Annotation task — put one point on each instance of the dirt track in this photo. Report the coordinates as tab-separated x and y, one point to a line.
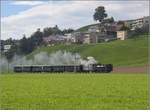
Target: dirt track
137	69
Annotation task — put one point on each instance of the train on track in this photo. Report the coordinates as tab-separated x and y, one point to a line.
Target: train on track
100	68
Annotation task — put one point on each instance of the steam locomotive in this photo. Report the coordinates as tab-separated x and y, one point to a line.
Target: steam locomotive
101	68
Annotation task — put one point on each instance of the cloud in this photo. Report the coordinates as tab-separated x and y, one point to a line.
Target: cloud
73	14
32	3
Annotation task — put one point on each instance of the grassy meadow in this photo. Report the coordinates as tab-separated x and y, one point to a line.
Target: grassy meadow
74	91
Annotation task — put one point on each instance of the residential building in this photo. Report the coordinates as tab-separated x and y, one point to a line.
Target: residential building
85	37
111	30
94	37
87	40
69	38
1	45
122	35
146	20
137	23
6	48
78	37
54	39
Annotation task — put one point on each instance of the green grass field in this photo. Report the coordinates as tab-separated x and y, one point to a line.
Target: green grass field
131	52
74	91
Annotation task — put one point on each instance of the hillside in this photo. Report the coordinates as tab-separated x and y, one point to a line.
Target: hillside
85	28
131	52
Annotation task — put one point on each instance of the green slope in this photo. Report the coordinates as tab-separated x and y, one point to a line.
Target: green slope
131	52
85	28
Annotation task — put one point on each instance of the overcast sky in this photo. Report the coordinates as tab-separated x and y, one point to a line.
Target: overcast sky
24	17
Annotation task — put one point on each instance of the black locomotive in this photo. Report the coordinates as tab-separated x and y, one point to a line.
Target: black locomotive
102	68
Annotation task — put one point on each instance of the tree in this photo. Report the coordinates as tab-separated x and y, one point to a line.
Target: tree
51	31
47	32
143	30
24	46
111	20
122	23
100	14
56	30
65	31
37	37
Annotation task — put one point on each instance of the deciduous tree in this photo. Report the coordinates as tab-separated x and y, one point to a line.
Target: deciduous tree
100	14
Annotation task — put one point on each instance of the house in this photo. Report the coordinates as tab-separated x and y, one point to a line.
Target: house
89	38
107	32
54	39
101	33
69	38
1	46
78	37
6	48
137	24
85	37
111	30
86	40
122	35
146	20
94	37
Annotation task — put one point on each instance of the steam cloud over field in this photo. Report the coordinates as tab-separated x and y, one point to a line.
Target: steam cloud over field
43	58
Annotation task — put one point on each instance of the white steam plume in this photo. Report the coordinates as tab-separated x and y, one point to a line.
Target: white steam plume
43	58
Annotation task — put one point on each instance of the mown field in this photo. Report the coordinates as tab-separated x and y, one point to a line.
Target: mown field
131	52
74	91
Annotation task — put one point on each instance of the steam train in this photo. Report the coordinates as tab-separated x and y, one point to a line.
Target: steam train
100	68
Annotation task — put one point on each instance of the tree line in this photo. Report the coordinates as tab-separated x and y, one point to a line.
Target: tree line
26	45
